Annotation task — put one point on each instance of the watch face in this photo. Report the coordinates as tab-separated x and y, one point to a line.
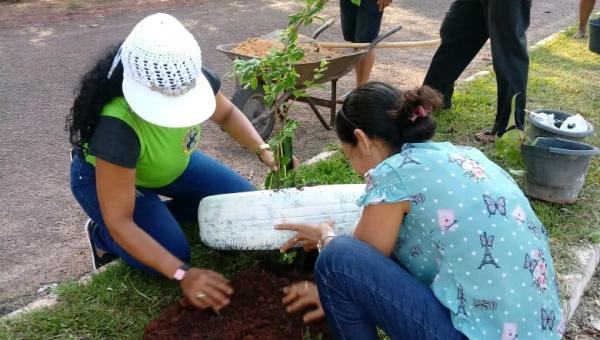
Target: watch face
179	274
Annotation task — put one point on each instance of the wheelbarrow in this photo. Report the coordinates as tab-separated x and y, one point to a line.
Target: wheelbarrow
251	101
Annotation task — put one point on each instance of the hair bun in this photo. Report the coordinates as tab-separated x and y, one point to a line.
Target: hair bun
414	102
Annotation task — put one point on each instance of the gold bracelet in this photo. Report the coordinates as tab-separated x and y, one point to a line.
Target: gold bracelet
321	243
261	148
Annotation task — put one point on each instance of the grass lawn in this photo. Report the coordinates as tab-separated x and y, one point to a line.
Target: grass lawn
119	302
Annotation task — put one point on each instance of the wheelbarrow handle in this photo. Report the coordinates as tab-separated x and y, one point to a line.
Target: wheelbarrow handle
383	36
322	28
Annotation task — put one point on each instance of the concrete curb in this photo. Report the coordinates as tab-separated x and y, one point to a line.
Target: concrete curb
52	299
576	283
320	157
44	302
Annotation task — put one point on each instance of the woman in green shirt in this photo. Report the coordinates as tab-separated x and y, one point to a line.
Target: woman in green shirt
135	126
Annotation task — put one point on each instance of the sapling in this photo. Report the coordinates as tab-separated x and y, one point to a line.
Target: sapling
277	75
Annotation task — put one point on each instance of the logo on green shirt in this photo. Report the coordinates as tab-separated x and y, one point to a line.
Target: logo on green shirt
190	140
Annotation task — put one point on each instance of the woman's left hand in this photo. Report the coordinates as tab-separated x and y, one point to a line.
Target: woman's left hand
303	295
307	235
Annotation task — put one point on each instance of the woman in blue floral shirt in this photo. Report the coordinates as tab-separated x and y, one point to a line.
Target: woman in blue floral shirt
447	246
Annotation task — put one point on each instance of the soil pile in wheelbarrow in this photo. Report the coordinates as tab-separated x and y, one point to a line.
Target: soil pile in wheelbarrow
258	48
255	312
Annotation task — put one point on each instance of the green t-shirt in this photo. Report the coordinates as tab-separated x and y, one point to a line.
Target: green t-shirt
158	154
356	2
164	153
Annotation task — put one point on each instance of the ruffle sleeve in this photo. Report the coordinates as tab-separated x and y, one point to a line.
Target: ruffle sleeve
383	185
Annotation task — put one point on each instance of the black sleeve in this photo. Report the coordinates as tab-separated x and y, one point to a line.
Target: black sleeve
116	142
213	79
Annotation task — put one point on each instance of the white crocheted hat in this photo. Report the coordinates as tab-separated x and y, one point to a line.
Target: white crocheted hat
162	74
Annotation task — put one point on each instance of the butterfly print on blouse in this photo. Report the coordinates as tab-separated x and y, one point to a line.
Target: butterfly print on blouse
416	250
548	319
495	206
537	230
417	198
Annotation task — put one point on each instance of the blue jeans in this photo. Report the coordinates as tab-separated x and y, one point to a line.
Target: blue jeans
360	288
203	177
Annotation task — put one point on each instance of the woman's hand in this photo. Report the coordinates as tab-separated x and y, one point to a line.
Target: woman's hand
307	235
206	288
266	156
303	295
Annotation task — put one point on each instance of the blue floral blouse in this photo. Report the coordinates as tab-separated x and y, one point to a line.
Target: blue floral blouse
473	238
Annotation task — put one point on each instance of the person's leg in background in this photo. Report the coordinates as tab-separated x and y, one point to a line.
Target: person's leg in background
368	24
361	24
463	33
364	67
360	289
204	176
150	214
585	11
508	22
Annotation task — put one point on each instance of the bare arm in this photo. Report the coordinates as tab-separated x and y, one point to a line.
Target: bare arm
379	225
116	194
235	123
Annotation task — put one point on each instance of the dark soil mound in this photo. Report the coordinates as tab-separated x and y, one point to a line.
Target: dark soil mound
255	312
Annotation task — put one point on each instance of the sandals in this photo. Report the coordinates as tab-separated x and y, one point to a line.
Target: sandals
485	137
489	136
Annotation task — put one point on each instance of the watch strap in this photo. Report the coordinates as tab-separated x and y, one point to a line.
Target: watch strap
180	272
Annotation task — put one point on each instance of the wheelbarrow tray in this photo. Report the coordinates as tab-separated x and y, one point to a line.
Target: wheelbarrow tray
337	67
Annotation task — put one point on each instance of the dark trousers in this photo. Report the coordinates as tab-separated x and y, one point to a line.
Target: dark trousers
204	176
465	29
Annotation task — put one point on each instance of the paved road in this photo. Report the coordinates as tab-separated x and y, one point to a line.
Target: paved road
41	232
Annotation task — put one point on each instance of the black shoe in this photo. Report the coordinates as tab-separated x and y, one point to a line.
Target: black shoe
97	261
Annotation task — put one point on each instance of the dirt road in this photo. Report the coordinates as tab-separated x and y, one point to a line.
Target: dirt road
43	51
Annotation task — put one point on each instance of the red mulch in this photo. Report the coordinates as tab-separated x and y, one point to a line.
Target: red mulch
255	312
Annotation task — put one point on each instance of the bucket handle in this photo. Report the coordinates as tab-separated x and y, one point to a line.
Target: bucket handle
560	151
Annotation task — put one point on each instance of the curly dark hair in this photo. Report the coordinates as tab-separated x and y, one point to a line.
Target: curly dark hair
95	90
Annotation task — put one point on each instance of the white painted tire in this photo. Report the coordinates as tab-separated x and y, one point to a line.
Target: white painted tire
245	220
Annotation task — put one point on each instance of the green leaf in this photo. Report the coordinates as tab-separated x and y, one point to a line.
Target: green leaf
299	93
508	147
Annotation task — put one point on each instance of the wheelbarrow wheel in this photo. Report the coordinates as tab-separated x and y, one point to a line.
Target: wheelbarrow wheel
252	104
